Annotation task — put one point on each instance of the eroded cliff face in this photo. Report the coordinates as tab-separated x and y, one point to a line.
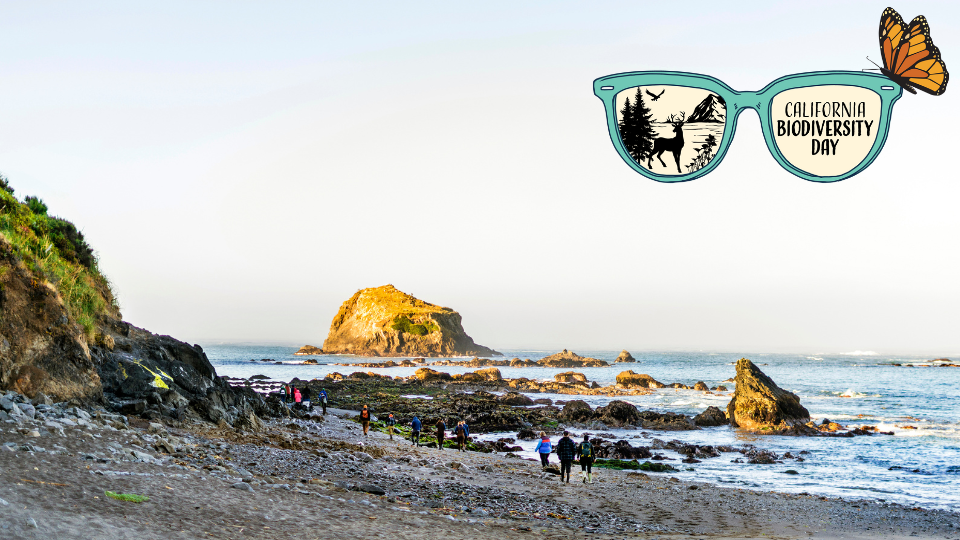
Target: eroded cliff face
41	348
383	321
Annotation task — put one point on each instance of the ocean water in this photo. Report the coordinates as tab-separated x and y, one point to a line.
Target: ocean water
919	465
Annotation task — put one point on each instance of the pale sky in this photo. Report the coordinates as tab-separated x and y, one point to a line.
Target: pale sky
243	168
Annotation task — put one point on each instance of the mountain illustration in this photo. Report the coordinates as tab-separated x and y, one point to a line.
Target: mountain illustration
711	109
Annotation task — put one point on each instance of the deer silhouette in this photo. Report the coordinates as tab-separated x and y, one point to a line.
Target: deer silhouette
674	144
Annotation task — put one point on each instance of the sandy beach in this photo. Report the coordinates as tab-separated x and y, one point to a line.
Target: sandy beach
321	478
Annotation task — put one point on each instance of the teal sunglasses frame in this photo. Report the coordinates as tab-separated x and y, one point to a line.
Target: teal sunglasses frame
607	88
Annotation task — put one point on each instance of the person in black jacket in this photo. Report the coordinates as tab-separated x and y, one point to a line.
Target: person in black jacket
565	451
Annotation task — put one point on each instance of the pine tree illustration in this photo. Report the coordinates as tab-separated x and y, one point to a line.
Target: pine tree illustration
626	127
642	131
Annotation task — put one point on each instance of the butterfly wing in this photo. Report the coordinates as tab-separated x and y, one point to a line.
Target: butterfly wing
891	35
909	56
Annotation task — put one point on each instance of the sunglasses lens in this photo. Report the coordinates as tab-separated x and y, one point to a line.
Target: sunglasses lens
671	130
826	130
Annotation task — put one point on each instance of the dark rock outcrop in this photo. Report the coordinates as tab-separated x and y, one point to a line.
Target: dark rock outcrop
759	404
383	321
713	416
576	411
515	399
666	421
618	413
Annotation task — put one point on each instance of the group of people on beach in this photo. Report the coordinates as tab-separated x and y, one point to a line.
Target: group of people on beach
300	398
567	452
461	432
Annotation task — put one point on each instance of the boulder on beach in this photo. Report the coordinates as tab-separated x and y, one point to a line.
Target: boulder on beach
308	350
758	403
629	379
576	411
383	321
625	357
570	376
702	386
713	416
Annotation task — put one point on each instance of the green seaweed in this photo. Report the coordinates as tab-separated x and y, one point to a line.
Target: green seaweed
129	497
618	464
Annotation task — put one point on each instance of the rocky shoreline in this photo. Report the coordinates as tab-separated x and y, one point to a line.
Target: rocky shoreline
317	476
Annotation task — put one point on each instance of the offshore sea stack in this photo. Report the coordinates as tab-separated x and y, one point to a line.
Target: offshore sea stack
759	404
383	321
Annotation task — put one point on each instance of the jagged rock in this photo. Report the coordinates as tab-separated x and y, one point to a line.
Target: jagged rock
515	399
713	416
570	376
701	386
623	450
618	413
568	359
576	411
384	321
629	379
625	357
309	350
759	403
143	363
526	435
666	421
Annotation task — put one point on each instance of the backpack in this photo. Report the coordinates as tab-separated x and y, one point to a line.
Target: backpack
365	414
586	450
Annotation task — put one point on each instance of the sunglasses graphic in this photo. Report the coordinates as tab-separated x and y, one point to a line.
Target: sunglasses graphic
674	127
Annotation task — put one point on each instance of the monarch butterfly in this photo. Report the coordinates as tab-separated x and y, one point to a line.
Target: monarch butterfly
910	58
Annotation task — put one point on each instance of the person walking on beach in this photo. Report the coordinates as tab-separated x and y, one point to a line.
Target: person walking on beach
391	421
441	431
365	419
566	450
305	398
415	433
544	448
466	430
297	398
322	396
585	451
461	437
286	393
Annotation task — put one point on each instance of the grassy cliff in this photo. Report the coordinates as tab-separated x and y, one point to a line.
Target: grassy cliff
57	256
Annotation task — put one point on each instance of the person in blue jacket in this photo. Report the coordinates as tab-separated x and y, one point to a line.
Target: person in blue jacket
466	430
544	448
415	434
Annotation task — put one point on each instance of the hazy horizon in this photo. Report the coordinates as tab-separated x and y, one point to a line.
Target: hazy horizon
242	170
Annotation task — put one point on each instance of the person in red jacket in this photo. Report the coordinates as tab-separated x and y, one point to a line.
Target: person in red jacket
365	420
